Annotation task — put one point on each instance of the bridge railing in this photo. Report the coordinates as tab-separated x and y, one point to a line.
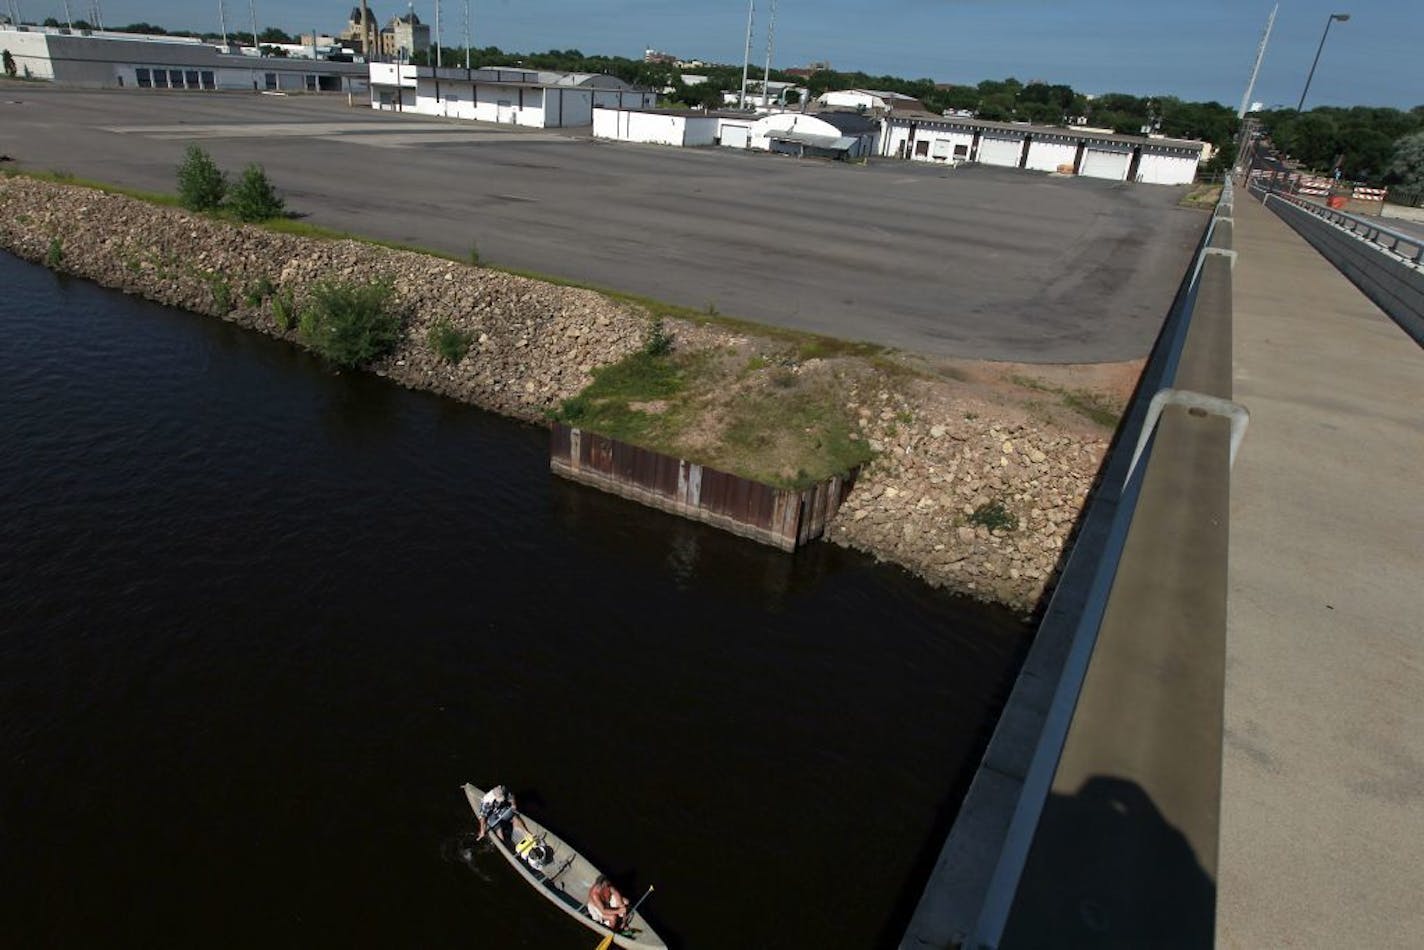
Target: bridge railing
1387	265
1145	579
1407	247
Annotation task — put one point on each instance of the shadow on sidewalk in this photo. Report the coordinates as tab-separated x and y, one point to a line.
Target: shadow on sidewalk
1107	870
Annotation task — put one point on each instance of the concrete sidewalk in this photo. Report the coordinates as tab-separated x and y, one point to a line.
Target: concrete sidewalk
1322	818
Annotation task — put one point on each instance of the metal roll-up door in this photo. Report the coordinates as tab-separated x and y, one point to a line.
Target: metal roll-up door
1000	150
1109	163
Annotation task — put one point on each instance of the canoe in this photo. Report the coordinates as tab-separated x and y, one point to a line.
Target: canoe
564	878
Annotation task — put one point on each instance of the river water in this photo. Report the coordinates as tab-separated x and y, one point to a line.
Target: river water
259	621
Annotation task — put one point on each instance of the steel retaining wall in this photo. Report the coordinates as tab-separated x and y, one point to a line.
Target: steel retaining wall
1386	265
783	518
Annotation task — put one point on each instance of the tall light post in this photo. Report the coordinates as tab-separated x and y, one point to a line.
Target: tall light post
1342	17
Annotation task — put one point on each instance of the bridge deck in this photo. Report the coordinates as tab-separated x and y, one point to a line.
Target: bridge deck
1323	782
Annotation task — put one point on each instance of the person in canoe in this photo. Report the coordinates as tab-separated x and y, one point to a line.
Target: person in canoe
499	812
606	905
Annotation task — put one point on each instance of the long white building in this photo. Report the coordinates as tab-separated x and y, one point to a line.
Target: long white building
100	59
526	97
954	140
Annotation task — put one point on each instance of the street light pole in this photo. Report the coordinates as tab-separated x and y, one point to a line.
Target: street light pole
1342	17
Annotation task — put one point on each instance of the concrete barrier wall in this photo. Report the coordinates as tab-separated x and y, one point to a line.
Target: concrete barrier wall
1395	286
972	887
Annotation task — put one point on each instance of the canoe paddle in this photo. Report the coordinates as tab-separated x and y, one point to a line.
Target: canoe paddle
607	941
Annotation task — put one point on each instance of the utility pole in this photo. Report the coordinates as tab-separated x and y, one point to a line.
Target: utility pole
467	35
770	42
252	9
67	18
222	20
1256	70
747	57
437	34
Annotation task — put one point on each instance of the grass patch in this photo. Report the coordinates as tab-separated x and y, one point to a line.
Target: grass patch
222	293
54	257
284	310
995	516
1092	405
1095	406
257	291
64	178
780	428
658	341
792	437
449	343
1201	196
606	407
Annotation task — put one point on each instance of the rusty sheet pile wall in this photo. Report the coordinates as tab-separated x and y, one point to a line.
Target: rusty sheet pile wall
784	518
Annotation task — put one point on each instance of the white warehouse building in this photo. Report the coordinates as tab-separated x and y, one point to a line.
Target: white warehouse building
656	126
526	97
869	100
98	59
954	140
844	135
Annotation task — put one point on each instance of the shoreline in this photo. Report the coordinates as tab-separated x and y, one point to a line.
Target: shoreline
951	442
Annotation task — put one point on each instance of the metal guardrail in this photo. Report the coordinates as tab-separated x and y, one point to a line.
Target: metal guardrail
1406	247
975	913
1386	265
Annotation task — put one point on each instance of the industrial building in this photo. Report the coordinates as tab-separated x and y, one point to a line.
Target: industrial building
840	135
921	136
953	140
101	59
677	127
870	100
512	96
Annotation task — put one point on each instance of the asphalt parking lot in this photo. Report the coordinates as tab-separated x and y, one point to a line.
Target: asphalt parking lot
976	262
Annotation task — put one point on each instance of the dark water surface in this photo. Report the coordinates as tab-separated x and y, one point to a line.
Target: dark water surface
258	622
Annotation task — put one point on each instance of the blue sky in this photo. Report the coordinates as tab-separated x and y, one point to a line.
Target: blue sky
1197	50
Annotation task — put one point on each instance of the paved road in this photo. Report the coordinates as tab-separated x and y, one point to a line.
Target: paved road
1323	767
981	262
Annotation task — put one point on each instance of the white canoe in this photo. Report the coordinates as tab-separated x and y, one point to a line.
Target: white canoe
565	878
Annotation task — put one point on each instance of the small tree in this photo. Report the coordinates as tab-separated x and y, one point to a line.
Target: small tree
1407	167
253	197
350	324
9	61
201	186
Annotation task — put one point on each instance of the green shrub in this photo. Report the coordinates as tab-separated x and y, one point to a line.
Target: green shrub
222	293
284	310
658	342
257	290
994	516
450	343
350	324
55	255
201	186
253	197
474	254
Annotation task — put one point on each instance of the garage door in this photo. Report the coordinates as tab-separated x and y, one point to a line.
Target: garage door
1047	155
1166	169
997	150
1106	163
734	136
